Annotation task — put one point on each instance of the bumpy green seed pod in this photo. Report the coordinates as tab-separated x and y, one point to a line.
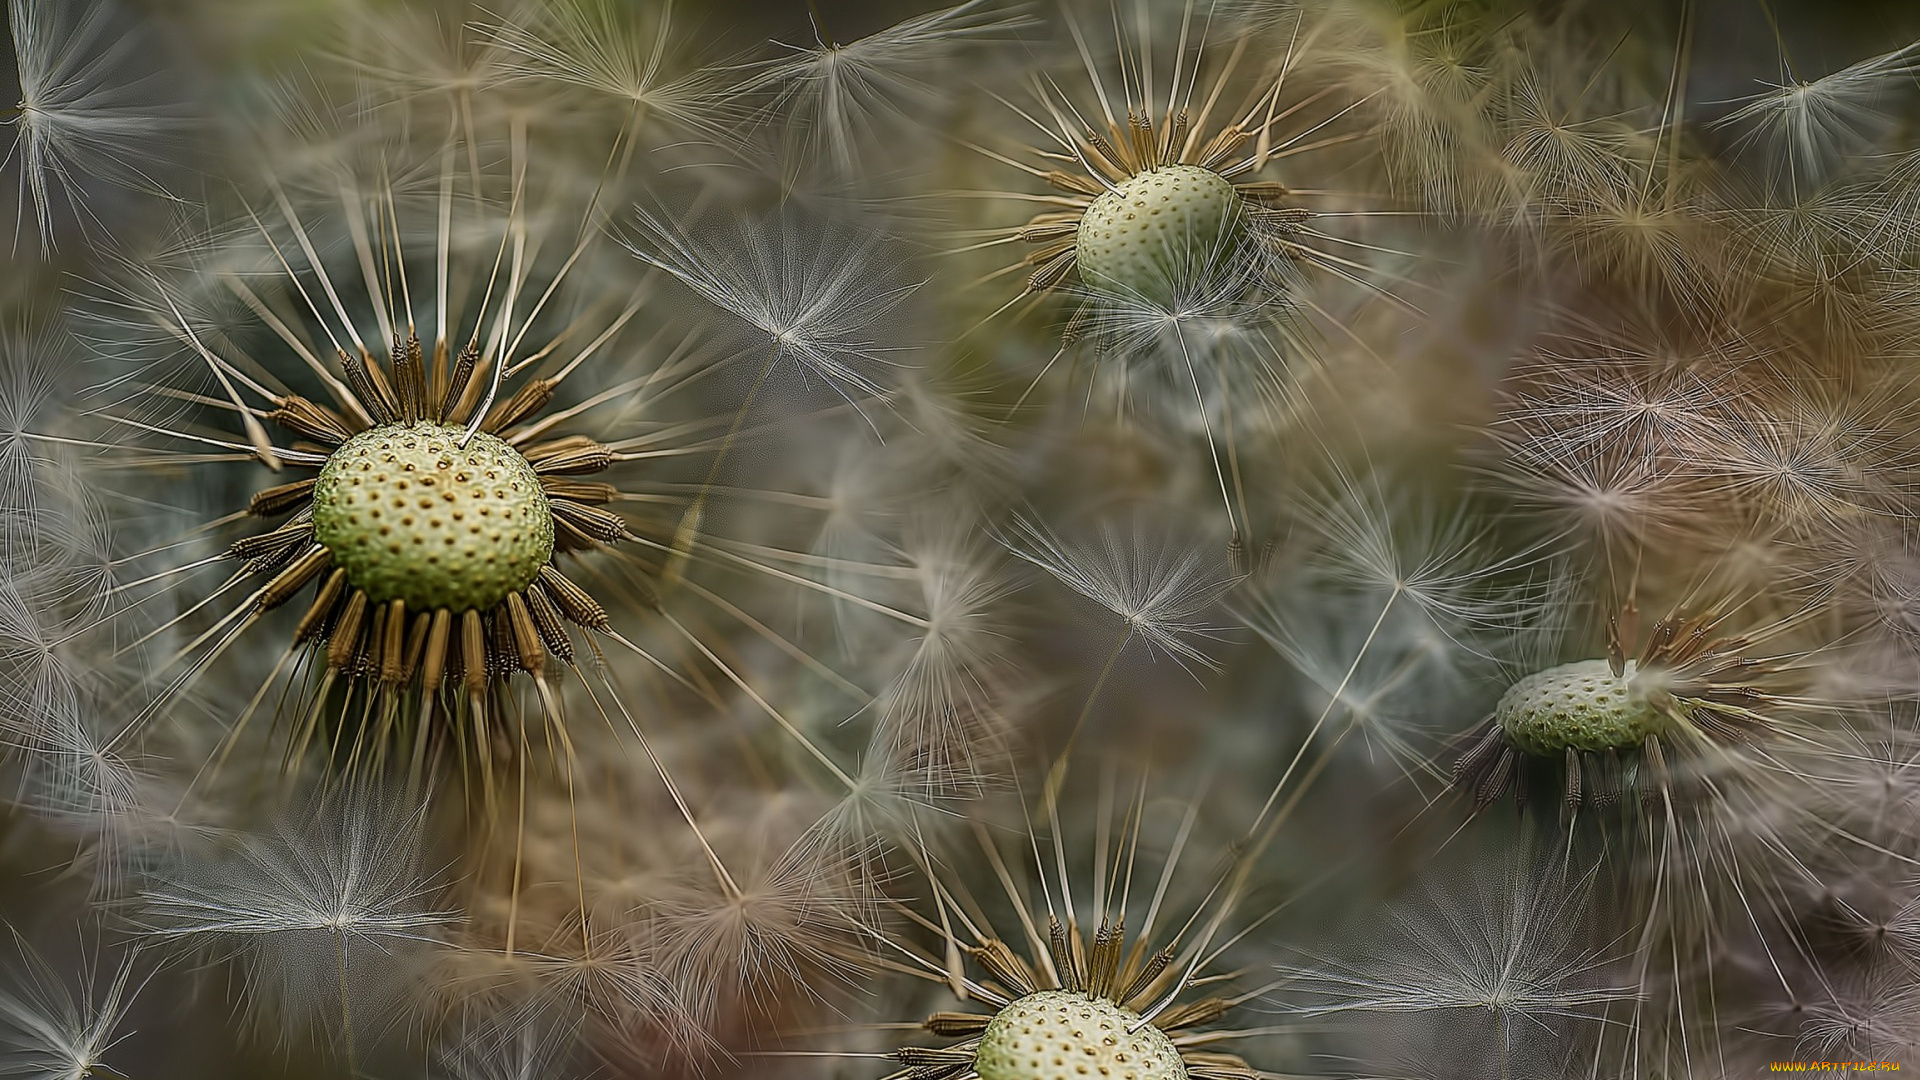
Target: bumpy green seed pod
1063	1035
412	515
1158	231
1580	706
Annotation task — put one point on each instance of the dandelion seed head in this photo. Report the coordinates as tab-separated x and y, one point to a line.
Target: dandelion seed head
1158	190
1581	706
412	515
407	294
1040	995
1131	236
1173	311
1034	1036
1692	688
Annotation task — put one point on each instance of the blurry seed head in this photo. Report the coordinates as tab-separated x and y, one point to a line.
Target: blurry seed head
533	1049
555	996
782	919
942	716
1861	1017
60	675
737	911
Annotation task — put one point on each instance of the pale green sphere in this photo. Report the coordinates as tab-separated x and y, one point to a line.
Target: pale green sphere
1582	706
1158	231
1060	1035
412	515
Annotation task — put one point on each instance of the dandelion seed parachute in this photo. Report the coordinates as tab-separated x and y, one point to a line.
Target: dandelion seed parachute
836	99
96	106
1159	587
738	912
59	579
1502	963
331	916
636	59
48	1028
1394	608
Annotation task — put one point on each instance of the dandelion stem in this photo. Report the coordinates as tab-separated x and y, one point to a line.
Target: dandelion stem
346	1001
820	26
1213	444
519	846
1332	701
683	537
1057	774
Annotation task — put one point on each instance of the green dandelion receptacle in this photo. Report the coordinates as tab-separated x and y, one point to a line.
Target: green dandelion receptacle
1580	706
1609	725
1063	1035
1158	231
411	514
